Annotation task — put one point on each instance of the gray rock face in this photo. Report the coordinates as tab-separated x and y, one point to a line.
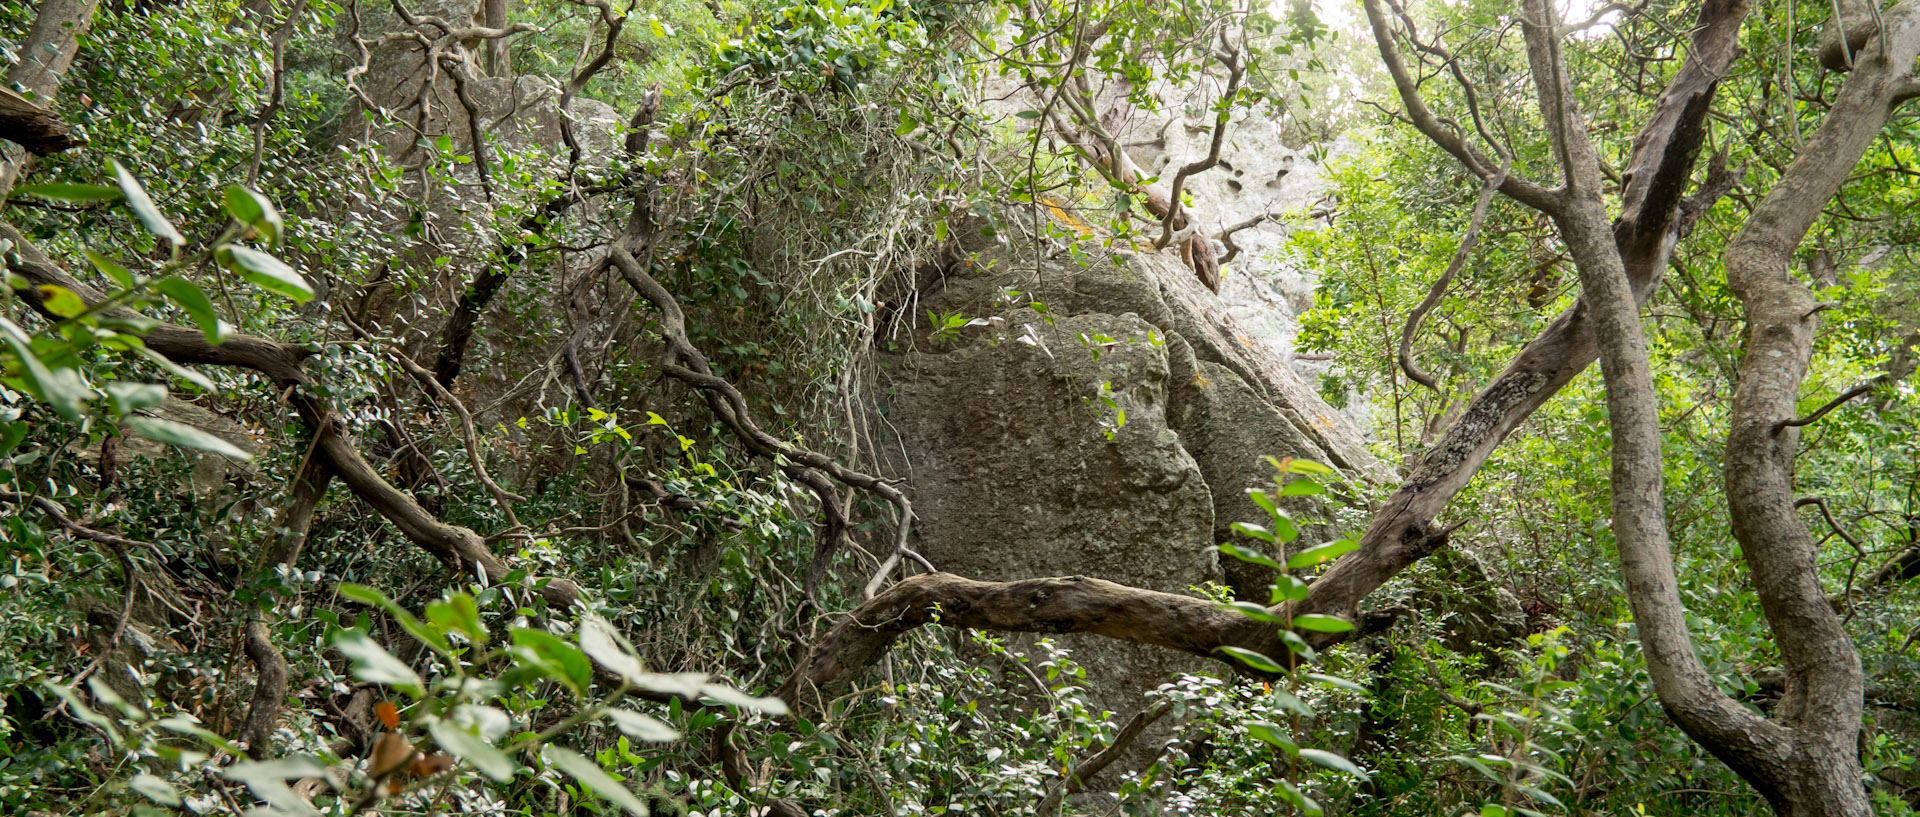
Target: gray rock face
1102	418
1016	446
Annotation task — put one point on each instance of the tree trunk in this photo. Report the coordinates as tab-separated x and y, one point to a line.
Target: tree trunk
44	59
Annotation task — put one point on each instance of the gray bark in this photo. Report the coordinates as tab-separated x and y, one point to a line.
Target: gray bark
45	57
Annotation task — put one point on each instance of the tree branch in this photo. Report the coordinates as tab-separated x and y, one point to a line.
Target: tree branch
459	548
1439	289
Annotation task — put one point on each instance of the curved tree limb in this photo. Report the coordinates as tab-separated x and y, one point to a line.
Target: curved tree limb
1072	604
270	688
1650	221
684	362
459	548
1439	289
457	335
1822	705
1236	70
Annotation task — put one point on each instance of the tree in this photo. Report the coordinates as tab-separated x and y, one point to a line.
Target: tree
790	180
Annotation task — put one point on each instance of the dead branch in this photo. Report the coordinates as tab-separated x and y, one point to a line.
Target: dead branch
1236	69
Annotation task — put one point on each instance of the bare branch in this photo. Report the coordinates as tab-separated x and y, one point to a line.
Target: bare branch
1439	289
1236	70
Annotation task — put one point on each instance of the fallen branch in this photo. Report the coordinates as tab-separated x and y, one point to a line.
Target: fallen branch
1072	604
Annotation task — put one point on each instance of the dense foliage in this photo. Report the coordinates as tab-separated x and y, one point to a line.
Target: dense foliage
646	469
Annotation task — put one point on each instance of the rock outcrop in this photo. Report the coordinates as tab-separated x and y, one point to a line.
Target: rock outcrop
1096	413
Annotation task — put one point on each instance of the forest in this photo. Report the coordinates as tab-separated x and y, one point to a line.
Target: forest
1471	408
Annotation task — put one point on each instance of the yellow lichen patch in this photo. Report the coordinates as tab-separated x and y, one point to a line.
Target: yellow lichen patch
1061	215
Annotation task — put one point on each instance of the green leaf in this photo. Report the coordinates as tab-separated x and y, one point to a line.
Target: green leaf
254	210
184	724
1323	553
470	747
679	684
112	269
1288	588
1334	762
266	272
1256	531
155	789
1336	681
1290	702
181	435
1297	644
1292	794
1253	611
82	711
64	389
1321	624
373	664
1272	734
11	435
555	658
433	638
1265	502
198	306
267	781
1254	660
1303	487
1247	555
602	644
1284	529
143	208
126	396
458	613
1536	793
175	369
70	192
61	301
590	775
1295	465
641	727
1028	114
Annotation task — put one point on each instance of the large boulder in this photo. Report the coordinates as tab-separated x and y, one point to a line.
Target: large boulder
1094	413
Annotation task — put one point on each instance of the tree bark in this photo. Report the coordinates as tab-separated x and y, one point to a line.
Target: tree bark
1072	604
45	57
1651	220
32	126
270	688
1804	761
1821	707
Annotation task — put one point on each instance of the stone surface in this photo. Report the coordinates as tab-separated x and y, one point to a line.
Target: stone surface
1019	465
